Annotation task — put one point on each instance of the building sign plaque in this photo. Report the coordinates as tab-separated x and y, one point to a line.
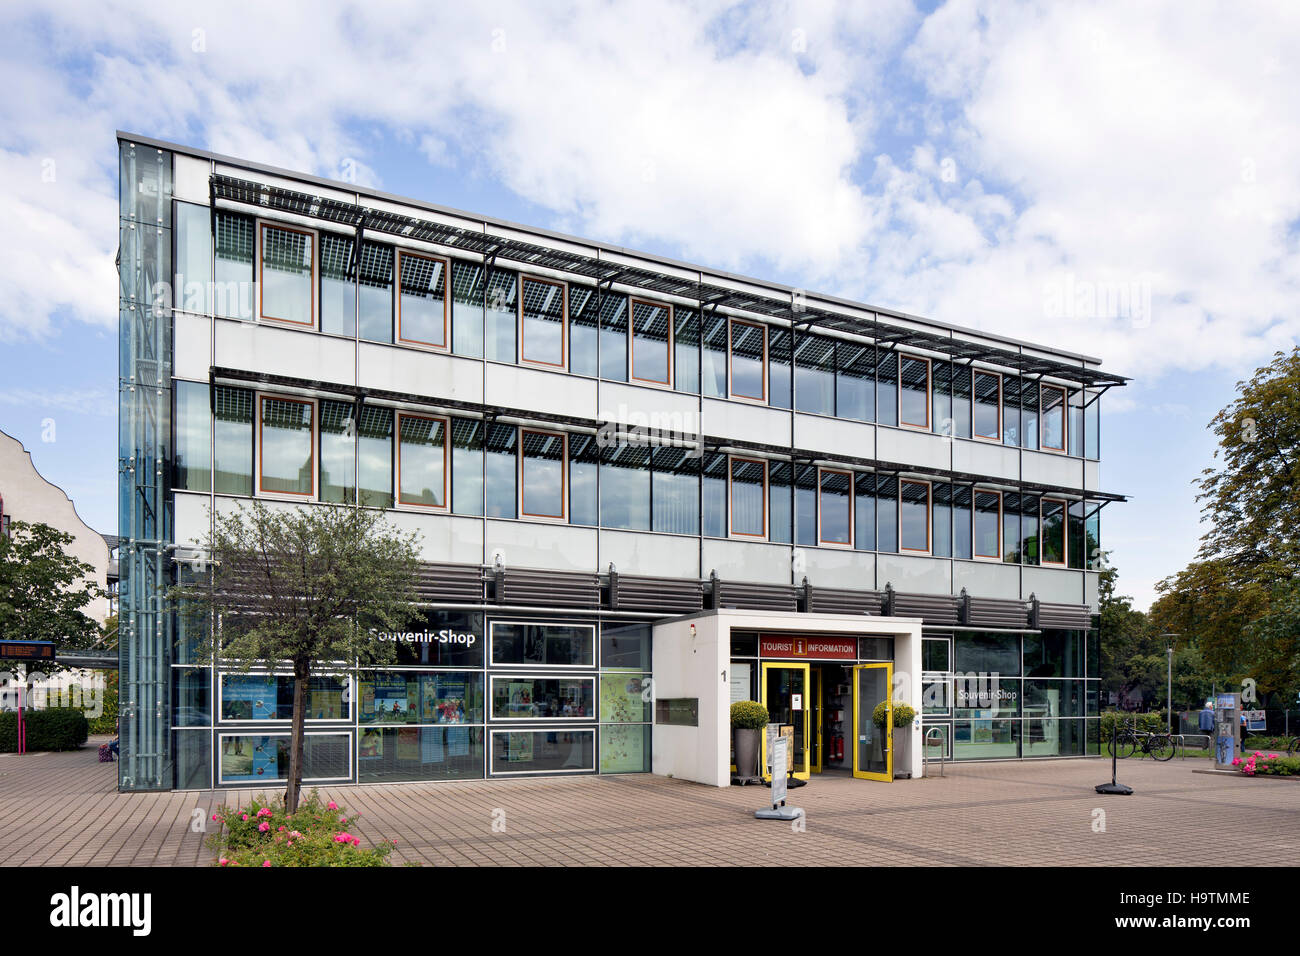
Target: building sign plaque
810	648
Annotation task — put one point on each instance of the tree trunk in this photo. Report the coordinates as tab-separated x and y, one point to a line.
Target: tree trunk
301	673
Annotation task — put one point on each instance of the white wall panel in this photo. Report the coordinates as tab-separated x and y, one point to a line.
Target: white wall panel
916	574
510	386
985	458
262	347
190	178
659	555
987	579
1053	585
193	337
831	568
417	372
747	561
743	422
834	435
535	545
912	447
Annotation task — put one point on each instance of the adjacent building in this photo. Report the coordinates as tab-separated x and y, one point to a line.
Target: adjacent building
644	489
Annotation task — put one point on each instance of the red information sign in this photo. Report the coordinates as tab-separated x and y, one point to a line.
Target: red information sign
809	647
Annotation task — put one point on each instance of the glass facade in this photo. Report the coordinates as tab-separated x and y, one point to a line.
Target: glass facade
1002	695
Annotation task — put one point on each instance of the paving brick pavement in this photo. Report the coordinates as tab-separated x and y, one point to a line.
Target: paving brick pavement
64	810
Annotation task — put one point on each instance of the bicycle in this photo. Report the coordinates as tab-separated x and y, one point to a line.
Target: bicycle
1125	743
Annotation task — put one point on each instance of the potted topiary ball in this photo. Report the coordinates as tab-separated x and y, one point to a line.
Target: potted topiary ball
904	714
748	718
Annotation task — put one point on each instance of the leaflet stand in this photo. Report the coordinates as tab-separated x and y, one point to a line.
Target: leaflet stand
779	811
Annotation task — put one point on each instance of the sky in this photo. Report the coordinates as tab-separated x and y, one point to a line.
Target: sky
1116	179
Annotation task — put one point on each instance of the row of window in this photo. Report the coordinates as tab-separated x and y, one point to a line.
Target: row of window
313	449
315	279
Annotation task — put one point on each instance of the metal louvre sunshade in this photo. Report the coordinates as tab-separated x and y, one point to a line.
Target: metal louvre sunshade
782	308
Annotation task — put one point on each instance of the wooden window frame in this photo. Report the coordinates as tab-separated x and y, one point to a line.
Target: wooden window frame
398	415
821	541
314	405
1065	533
262	226
929	385
563	364
974	403
731	510
974	517
631	342
563	517
929	516
446	300
732	322
1042	419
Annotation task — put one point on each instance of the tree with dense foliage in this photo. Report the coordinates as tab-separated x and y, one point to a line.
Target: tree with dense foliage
1240	598
299	586
44	590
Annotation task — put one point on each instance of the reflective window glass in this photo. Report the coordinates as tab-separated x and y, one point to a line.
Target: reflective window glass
287	458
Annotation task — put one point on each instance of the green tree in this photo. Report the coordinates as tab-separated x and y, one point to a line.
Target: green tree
1236	599
301	586
44	590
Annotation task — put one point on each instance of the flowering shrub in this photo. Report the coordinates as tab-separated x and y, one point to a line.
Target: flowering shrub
1268	764
262	834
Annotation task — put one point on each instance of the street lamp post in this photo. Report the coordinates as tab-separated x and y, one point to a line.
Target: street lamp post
1169	682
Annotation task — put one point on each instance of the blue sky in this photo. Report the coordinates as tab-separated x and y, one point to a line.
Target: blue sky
990	164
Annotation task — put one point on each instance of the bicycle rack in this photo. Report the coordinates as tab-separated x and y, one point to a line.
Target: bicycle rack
925	752
1182	741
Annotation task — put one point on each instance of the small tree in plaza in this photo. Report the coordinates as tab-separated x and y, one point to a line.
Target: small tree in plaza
302	586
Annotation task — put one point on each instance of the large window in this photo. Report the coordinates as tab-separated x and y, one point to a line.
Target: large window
521	697
941	505
501	467
270	697
835	507
584	331
542	489
1011	538
423	306
713	373
625	487
652	342
1011	388
886	387
502	315
780	500
549	645
1053	417
613	337
233	294
467	465
814	374
748	360
914	516
467	308
987	406
542	323
193	288
287	275
749	497
864	512
344	298
675	490
779	380
855	381
422	461
287	463
988	525
375	304
232	435
686	350
914	392
713	494
1052	536
193	437
887	514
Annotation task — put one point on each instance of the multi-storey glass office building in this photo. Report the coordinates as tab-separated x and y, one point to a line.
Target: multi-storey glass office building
643	489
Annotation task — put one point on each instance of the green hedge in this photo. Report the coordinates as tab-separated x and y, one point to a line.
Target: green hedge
55	728
1153	723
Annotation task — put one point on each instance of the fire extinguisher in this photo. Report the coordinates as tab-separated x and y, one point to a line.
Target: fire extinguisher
837	746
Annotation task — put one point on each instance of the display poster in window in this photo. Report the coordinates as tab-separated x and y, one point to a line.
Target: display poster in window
740	681
457	741
431	749
444	699
519	748
250	698
408	743
392	702
266	757
622	748
372	745
326	703
620	699
520	701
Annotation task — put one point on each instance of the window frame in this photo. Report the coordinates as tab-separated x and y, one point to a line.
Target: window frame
732	394
821	541
929	396
314	404
264	224
398	503
1065	533
632	377
563	364
1065	419
974	518
929	516
446	299
996	437
563	517
731	510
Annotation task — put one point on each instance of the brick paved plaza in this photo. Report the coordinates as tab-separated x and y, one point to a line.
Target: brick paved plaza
64	810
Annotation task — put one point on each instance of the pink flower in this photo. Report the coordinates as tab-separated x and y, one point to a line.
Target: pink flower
281	830
343	837
266	863
295	834
243	816
215	817
356	842
332	805
224	861
343	819
264	812
263	827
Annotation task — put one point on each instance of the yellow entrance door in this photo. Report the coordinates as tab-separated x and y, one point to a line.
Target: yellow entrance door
873	746
785	695
816	718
